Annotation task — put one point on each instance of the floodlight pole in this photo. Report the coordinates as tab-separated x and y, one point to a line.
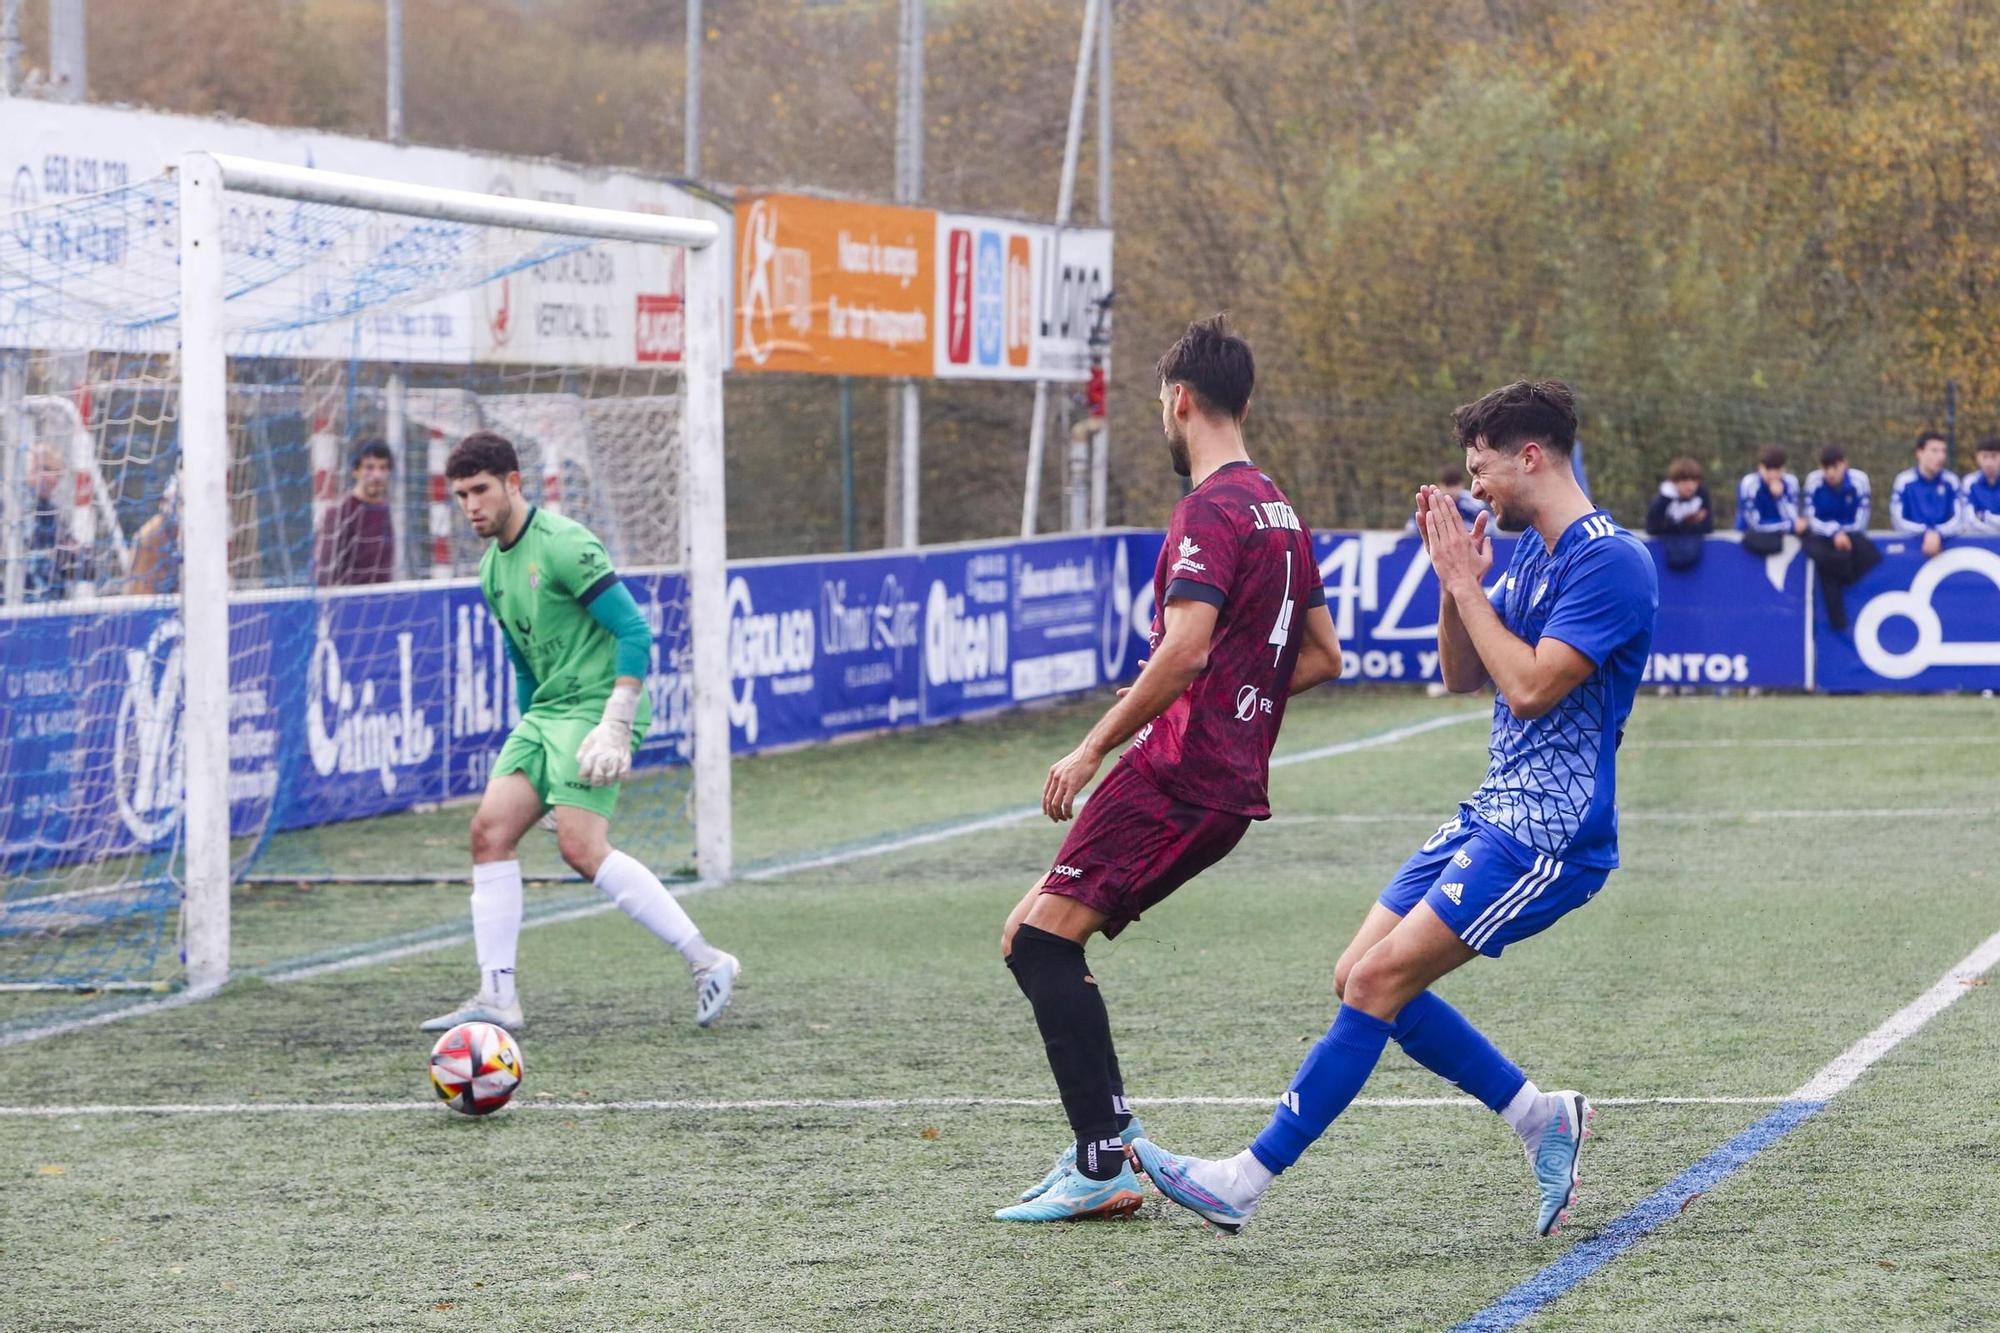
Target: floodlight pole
1065	199
69	51
10	47
905	446
691	128
394	109
1100	335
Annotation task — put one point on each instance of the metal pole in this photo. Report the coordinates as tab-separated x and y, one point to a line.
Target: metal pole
846	463
1052	267
1100	442
10	47
906	446
395	75
69	79
395	434
15	436
204	574
1951	416
697	34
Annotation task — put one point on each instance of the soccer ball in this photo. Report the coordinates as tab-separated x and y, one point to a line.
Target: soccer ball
475	1068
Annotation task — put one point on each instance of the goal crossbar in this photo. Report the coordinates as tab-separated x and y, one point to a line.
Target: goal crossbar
203	178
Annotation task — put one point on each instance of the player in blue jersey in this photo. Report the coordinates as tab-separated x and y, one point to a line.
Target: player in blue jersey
1979	493
1926	499
1563	637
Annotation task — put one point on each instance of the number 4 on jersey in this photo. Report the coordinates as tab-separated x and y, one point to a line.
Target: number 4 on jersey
1281	632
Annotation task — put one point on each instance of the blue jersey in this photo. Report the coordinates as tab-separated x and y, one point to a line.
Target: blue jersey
1832	509
1979	515
1551	782
1923	503
1757	510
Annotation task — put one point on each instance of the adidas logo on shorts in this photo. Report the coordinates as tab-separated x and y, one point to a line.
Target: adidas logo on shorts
1452	891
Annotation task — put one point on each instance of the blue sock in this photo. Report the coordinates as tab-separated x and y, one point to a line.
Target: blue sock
1438	1037
1329	1079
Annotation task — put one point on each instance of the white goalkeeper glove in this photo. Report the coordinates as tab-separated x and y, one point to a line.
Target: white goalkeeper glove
606	753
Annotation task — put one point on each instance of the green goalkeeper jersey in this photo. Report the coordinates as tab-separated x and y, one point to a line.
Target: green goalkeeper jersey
540	589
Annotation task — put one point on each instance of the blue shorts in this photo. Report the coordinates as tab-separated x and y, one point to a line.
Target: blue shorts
1487	887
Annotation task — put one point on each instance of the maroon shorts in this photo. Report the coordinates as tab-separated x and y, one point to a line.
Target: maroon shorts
1134	844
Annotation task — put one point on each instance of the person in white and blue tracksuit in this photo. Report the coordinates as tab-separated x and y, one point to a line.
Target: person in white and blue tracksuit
1767	503
1836	535
1927	496
1979	493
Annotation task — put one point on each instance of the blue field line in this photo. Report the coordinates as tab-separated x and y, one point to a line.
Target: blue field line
1646	1216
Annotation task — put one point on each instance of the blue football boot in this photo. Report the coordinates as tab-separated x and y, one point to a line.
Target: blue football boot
1558	1156
1067	1158
1075	1195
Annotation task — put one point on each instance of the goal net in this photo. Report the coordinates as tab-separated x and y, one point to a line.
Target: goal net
235	652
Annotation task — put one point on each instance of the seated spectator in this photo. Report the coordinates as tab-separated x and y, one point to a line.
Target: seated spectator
1451	480
1767	503
156	554
1979	493
1681	515
357	538
1926	496
1836	537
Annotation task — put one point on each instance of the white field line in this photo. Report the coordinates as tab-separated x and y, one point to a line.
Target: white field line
1840	1073
1617	1237
779	1104
842	857
1687	816
1009	818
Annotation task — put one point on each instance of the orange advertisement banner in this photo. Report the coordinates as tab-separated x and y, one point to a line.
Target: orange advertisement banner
828	287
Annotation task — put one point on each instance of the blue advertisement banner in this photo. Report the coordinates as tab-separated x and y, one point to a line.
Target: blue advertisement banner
365	702
1917	624
353	703
1733	619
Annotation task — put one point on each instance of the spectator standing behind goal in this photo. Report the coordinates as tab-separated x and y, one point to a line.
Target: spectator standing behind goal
1682	515
1451	480
1836	537
156	564
1979	493
1927	495
357	538
1767	503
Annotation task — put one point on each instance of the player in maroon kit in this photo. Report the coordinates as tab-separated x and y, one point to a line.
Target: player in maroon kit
1242	624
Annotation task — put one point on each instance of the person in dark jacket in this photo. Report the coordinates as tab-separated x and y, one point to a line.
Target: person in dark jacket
1682	515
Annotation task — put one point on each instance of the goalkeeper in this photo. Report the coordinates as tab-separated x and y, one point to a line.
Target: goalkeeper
580	650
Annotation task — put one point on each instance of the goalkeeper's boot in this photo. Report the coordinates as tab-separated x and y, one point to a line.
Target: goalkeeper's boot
714	987
1067	1158
1213	1191
1558	1157
481	1008
1075	1195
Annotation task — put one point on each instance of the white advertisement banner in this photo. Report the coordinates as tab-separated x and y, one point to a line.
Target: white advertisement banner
1017	300
616	304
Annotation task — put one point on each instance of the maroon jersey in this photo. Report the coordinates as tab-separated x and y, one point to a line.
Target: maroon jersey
1236	544
356	544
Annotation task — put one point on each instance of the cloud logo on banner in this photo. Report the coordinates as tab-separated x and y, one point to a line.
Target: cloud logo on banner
1120	610
1930	649
147	759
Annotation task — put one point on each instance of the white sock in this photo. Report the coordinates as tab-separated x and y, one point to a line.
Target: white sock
496	925
640	895
1252	1177
1529	1113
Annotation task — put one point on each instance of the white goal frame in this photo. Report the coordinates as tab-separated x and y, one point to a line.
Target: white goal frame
204	177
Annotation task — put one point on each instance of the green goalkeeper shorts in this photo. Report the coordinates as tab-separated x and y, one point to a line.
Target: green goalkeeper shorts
543	749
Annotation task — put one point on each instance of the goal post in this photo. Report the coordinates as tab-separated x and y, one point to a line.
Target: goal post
205	179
